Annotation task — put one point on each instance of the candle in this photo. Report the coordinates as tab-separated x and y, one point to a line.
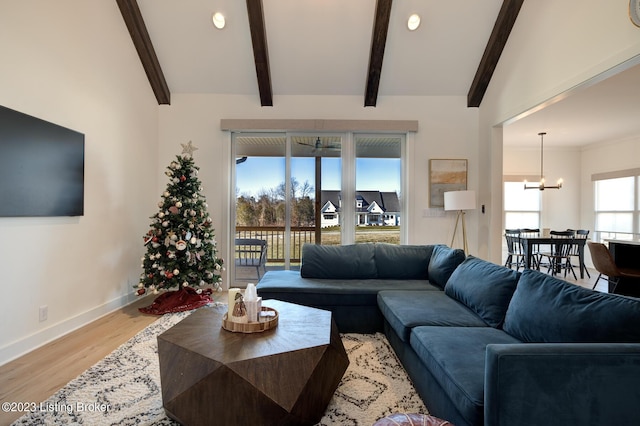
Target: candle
232	300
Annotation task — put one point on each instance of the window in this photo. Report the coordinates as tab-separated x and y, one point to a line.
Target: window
378	188
616	207
521	208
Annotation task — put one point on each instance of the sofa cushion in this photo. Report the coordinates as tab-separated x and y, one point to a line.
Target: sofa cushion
402	261
444	260
484	287
455	356
344	262
546	309
291	287
404	310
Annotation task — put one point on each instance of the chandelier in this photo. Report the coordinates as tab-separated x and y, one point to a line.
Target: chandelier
540	185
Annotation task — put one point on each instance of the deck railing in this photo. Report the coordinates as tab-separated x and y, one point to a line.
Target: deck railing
300	235
275	238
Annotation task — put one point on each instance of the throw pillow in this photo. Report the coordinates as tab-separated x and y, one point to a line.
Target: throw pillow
484	287
546	309
444	260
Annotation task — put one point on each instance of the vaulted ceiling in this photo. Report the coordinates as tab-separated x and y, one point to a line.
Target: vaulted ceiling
311	47
272	48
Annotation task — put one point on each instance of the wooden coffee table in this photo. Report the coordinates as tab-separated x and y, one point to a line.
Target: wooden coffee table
283	376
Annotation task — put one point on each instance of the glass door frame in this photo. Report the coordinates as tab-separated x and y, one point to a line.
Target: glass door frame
348	185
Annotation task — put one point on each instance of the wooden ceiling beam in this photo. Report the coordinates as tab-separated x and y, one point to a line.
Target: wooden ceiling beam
497	41
141	40
260	51
378	42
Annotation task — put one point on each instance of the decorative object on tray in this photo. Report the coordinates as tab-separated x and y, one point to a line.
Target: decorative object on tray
268	320
239	312
232	298
252	302
246	314
181	246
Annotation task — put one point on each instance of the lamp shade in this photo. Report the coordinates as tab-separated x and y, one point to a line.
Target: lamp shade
460	200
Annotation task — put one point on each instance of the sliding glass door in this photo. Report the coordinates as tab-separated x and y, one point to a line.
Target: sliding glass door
295	189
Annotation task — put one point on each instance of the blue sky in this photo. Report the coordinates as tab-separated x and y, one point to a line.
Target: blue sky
259	173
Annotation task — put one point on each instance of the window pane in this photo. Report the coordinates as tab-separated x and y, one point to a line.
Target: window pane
516	220
615	194
316	156
260	201
260	195
378	181
614	222
516	198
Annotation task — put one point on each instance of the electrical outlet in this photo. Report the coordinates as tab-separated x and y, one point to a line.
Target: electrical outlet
44	313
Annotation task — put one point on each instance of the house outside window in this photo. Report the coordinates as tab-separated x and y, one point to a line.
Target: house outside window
373	208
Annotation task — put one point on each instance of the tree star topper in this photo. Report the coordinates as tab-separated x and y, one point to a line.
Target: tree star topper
188	148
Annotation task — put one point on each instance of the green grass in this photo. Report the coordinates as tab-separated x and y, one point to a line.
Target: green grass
364	234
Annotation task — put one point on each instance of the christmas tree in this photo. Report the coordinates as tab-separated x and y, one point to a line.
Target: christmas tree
181	246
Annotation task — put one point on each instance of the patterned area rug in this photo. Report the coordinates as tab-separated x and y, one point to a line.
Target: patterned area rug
124	388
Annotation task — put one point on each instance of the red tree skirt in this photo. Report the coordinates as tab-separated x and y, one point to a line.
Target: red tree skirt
181	300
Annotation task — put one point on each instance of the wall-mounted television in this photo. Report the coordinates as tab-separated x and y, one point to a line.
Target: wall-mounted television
41	167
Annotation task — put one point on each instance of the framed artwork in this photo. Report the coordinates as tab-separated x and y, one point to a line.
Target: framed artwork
446	175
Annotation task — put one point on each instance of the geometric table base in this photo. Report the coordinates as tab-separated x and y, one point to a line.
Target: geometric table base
284	376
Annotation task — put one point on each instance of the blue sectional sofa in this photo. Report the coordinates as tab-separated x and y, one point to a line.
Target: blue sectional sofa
483	344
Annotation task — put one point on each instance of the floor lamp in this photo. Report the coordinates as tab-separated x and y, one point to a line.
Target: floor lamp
460	201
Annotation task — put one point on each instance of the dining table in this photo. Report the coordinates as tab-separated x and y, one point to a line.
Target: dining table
530	241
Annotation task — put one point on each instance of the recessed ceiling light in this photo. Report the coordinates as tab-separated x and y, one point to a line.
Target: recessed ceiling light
414	22
218	20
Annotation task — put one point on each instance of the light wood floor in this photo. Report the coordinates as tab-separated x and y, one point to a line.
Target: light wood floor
37	375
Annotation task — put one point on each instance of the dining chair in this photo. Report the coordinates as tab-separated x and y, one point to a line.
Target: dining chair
559	254
575	252
534	248
529	232
515	256
606	265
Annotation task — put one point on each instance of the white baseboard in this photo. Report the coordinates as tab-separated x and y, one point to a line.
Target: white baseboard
27	344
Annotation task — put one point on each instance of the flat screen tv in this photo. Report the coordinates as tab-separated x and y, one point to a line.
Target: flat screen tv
41	167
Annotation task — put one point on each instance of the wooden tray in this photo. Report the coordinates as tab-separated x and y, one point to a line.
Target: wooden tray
251	327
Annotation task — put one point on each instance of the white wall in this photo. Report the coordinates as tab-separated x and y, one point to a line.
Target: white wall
447	129
605	157
560	208
72	62
553	47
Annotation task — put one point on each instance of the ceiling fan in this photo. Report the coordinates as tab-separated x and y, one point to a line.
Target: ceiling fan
319	146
